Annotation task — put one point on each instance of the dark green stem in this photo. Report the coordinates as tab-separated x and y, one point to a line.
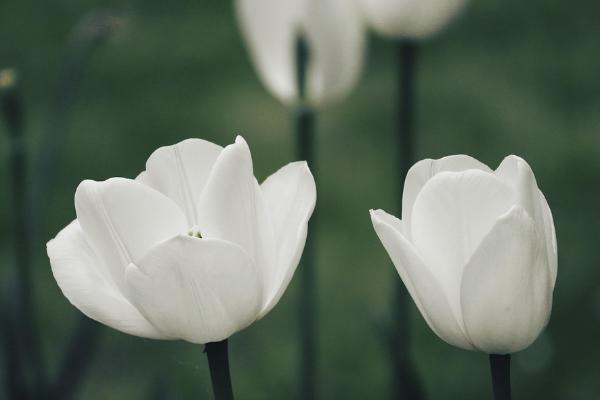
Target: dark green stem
218	362
405	383
304	121
87	35
500	368
16	387
76	358
12	111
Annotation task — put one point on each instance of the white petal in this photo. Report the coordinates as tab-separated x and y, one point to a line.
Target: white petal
518	174
415	19
426	169
336	38
505	297
335	35
83	281
425	289
143	178
550	239
231	207
290	195
452	214
180	172
199	290
122	219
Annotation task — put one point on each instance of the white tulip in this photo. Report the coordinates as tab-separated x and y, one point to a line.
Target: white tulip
412	19
476	250
333	30
193	248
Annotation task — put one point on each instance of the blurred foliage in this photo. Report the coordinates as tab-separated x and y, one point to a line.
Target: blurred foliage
508	77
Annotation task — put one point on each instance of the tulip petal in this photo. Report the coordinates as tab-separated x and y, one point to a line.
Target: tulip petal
269	28
290	196
426	169
425	289
335	36
451	216
517	173
504	296
84	282
122	219
550	240
231	207
199	290
416	19
181	171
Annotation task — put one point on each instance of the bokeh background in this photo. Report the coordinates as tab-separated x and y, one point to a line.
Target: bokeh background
508	77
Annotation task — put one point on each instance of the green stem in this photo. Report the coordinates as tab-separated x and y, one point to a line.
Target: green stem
304	121
405	383
12	110
500	369
87	35
218	362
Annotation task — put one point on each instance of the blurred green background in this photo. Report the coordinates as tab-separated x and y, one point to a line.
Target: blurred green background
509	77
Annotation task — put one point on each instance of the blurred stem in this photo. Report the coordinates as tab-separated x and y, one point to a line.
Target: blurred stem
12	111
87	35
405	383
500	368
76	359
14	378
304	121
218	362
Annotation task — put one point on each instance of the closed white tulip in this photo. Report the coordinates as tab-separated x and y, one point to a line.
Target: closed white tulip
476	250
335	35
412	19
193	248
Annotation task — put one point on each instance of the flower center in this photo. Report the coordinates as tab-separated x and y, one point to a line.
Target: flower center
194	231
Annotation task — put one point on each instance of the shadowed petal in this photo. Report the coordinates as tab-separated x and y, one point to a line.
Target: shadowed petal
505	297
83	280
425	289
122	219
231	207
451	216
199	290
180	172
290	196
426	169
517	173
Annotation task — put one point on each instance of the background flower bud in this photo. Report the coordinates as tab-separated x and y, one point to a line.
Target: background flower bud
412	19
335	35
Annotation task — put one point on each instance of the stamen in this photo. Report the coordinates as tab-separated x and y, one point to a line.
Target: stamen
195	232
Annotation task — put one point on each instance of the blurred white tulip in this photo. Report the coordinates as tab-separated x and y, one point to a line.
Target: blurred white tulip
412	19
193	248
335	35
476	250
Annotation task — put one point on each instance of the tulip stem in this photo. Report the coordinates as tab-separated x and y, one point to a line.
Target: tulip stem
12	110
304	119
405	383
218	362
500	367
87	35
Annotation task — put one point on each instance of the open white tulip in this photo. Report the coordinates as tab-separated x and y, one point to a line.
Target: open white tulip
412	19
476	249
193	248
333	30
